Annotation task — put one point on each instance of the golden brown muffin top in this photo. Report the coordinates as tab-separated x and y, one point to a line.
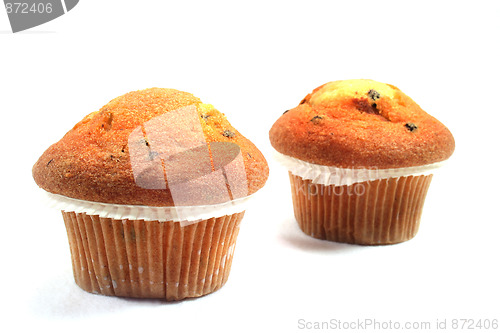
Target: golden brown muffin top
153	147
361	123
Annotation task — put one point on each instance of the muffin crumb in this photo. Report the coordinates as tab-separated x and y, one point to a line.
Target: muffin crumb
107	120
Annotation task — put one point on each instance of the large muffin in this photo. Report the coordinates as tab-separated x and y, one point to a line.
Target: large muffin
99	158
152	188
361	154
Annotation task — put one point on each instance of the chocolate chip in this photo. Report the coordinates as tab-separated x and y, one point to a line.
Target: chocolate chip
373	94
228	134
316	119
411	126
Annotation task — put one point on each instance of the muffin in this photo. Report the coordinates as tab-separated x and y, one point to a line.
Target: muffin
152	189
360	155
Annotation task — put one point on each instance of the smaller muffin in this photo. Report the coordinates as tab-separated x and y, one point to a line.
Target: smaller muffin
360	155
152	189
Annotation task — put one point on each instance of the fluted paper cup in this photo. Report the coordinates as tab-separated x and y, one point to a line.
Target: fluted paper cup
151	259
358	206
120	250
384	211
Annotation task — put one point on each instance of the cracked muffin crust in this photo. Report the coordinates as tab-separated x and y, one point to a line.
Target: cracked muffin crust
361	123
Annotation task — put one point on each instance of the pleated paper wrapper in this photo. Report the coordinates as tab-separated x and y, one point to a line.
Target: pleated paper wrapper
150	252
358	206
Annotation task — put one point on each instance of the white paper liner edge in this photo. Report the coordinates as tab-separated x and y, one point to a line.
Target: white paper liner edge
330	175
183	214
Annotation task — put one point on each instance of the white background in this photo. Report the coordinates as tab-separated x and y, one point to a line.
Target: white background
253	60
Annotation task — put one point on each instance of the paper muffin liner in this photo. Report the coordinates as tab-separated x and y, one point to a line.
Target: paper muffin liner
183	214
358	206
150	252
330	175
384	211
151	259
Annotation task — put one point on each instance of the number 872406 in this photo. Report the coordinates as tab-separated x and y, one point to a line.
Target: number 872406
26	8
471	324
